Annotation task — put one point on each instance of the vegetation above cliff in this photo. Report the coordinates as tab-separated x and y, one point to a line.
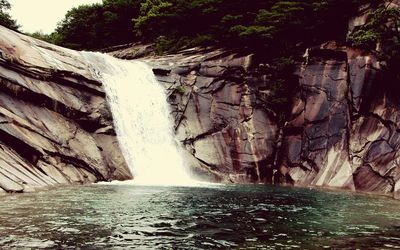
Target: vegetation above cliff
272	28
5	18
381	33
273	25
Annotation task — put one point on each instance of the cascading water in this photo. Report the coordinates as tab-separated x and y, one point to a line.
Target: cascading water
141	117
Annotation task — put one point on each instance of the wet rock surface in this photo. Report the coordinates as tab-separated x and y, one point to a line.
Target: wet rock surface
343	131
347	131
55	125
213	93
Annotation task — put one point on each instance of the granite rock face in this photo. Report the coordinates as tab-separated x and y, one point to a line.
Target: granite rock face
55	125
314	148
342	133
229	134
344	130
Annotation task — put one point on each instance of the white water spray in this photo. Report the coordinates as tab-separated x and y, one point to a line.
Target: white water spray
141	117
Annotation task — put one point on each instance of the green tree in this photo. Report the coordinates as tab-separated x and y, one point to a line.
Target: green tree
51	38
383	26
273	28
81	27
5	18
98	25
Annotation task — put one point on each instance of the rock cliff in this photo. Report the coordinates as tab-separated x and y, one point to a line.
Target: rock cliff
218	115
343	131
55	125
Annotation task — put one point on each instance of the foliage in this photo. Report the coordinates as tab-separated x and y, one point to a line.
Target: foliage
51	38
275	27
181	89
5	18
382	26
282	85
98	26
364	38
171	44
263	25
163	43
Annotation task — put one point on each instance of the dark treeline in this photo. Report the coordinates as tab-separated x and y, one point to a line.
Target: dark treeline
5	18
275	26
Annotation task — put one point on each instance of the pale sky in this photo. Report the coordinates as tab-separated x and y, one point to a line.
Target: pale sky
42	15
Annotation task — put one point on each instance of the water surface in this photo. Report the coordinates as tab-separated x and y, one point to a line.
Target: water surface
238	217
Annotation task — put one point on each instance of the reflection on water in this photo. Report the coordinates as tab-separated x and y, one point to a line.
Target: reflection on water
251	217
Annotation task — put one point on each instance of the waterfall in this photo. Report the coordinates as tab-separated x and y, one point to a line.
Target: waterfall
141	117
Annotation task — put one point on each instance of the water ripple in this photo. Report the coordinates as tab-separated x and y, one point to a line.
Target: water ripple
226	217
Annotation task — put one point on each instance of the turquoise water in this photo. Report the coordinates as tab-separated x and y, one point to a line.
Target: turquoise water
218	217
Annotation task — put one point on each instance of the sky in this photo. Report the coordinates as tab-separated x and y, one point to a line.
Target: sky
42	15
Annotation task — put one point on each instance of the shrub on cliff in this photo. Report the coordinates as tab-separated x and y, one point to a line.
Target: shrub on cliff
382	32
383	26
